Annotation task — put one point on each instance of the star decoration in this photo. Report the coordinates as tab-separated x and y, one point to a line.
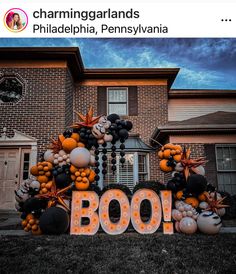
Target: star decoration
213	203
86	120
56	196
56	145
190	164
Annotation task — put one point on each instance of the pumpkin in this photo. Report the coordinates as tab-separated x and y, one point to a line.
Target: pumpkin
160	154
48	185
34	170
172	152
179	194
164	167
42	179
166	153
75	136
82	185
69	144
192	201
202	197
177	157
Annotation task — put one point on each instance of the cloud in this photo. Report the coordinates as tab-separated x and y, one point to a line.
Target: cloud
203	63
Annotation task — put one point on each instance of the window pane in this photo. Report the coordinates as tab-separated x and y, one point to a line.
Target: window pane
226	158
123	175
117	95
120	109
26	157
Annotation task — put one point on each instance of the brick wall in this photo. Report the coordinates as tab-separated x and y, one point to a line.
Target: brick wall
152	112
44	111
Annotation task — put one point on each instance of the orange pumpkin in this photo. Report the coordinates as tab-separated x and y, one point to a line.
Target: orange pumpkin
61	137
42	179
168	146
75	136
172	152
177	157
34	170
192	201
164	167
178	147
69	144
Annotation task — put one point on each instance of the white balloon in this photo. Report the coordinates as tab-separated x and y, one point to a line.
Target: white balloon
209	222
189	213
80	157
179	167
188	225
92	160
200	170
108	138
177	215
187	207
49	156
177	227
181	208
60	159
184	213
55	162
56	156
62	152
203	205
178	203
221	211
64	157
35	185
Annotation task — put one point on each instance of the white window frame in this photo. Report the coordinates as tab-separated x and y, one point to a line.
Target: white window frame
222	171
127	99
135	168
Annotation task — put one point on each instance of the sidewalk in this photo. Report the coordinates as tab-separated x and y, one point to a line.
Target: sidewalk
10	224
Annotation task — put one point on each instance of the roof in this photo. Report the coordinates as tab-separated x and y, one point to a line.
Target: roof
217	122
133	143
76	66
203	93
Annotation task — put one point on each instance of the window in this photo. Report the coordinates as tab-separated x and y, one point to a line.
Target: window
226	167
26	166
135	169
11	89
142	168
117	101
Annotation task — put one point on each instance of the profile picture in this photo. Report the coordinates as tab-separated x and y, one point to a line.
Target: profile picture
15	20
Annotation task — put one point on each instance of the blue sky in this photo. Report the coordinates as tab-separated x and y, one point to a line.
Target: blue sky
203	63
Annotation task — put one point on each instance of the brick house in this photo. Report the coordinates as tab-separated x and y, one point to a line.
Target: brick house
41	87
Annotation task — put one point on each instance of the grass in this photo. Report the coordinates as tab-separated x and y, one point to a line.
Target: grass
126	253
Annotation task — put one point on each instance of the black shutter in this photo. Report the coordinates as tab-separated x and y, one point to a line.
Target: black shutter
210	167
102	100
133	101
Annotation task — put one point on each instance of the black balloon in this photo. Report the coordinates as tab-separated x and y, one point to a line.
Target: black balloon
128	125
54	220
113	117
62	180
123	133
34	205
196	184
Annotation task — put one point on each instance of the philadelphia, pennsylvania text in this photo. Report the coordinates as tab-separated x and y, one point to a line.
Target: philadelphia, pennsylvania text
104	29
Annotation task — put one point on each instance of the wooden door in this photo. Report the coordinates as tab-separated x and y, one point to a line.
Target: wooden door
9	177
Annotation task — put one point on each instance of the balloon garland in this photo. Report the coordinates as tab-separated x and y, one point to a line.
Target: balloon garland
72	162
197	204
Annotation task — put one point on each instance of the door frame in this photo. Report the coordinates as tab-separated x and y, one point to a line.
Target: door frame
20	141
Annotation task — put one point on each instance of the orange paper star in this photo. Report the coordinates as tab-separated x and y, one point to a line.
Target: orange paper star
190	164
86	120
213	203
55	196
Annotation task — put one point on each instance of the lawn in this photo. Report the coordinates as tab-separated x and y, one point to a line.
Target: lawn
126	253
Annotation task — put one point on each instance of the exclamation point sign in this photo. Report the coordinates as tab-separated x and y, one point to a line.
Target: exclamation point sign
166	201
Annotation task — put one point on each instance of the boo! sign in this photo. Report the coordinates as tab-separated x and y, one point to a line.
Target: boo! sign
129	211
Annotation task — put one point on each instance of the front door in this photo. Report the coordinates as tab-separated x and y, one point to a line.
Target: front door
9	176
